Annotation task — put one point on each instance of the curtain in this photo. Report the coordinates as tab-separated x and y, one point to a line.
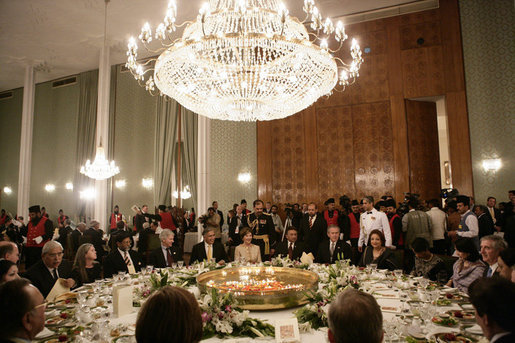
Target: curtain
189	151
164	151
86	131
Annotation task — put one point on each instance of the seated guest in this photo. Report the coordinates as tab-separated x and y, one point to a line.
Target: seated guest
493	300
208	249
376	252
122	259
491	246
64	230
8	271
120	228
23	311
50	268
167	254
246	251
290	247
427	264
333	249
506	262
9	251
85	268
355	316
468	267
170	315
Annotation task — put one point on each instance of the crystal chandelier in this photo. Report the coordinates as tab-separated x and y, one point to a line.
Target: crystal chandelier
185	193
245	60
101	168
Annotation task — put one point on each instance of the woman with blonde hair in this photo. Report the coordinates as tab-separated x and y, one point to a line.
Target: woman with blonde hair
85	268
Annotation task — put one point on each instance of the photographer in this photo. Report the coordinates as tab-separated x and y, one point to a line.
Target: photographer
211	220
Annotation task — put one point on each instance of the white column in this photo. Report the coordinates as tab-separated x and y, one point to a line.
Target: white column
102	133
203	167
27	122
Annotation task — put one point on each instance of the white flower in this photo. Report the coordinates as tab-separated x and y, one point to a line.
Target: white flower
222	326
195	291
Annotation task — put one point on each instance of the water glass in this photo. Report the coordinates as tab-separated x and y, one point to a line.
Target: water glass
397	273
181	264
150	268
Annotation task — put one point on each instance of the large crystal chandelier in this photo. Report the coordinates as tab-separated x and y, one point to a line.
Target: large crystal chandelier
101	168
245	60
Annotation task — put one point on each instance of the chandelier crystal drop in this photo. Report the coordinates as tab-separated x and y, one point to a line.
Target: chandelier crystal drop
101	168
245	60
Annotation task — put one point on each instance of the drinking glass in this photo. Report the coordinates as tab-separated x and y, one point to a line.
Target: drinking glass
150	268
397	273
180	264
373	266
174	265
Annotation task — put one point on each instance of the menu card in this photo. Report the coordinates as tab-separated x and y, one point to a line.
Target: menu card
122	300
287	331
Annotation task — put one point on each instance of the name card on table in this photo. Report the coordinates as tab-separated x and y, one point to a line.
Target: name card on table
287	331
122	300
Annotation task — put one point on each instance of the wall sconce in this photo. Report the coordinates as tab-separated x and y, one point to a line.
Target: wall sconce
244	177
49	187
120	184
7	190
447	172
69	186
493	164
148	183
88	194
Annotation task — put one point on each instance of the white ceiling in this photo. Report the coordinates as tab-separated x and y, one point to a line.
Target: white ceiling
64	37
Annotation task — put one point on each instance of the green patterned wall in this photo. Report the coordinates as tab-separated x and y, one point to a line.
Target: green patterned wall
233	150
488	31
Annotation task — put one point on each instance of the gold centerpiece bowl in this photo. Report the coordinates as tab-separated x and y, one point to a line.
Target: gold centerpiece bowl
261	288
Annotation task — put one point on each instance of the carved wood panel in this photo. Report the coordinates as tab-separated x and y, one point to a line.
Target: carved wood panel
422	72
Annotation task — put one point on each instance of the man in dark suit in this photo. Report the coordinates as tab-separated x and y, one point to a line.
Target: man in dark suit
23	311
220	213
484	221
166	254
77	236
208	249
313	229
95	236
50	268
333	249
64	232
122	259
290	247
493	300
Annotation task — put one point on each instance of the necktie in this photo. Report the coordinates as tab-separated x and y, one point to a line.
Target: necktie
126	258
54	274
332	249
489	273
209	252
169	258
310	222
290	251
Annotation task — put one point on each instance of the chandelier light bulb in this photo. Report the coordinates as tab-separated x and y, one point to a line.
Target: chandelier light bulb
69	186
7	190
49	187
101	168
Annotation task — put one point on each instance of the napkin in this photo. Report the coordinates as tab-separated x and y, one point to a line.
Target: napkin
57	290
307	258
122	300
44	334
475	330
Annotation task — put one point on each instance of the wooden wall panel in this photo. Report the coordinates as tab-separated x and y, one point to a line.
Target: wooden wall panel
422	73
424	155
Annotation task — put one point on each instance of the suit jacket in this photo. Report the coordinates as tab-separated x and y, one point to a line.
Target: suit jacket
342	251
198	253
510	338
220	213
485	224
63	236
157	258
314	235
114	263
76	238
233	224
298	249
40	276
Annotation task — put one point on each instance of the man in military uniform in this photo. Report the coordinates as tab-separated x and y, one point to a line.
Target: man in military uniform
262	226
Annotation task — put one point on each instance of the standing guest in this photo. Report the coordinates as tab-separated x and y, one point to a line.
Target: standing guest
491	247
39	231
354	218
8	271
234	223
495	213
484	221
44	212
143	216
268	207
115	217
438	226
50	268
3	217
61	218
468	224
377	253
395	222
278	223
220	213
167	253
262	227
209	249
165	219
298	214
506	262
23	311
77	236
64	232
303	208
313	229
453	216
371	220
122	259
244	210
192	218
427	264
246	251
9	251
468	267
333	249
95	236
213	221
291	247
493	300
170	315
85	268
355	316
330	214
416	224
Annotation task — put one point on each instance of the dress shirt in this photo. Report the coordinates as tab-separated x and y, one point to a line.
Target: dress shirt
51	270
493	268
498	336
312	219
492	213
473	226
373	220
438	223
165	253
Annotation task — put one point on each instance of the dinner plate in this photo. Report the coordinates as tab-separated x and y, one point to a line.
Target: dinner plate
475	330
448	337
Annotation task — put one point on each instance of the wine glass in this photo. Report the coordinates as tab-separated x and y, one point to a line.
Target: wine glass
180	264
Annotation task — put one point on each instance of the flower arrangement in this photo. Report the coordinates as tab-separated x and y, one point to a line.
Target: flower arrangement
221	319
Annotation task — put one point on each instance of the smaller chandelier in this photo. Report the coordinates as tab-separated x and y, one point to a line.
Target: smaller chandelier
101	168
185	193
